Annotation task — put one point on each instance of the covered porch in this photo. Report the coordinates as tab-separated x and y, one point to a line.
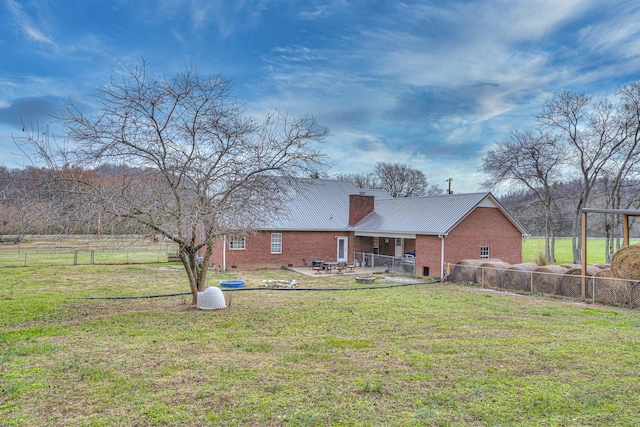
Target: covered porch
395	252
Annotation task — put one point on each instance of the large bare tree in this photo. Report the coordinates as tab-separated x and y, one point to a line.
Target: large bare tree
531	159
624	165
400	180
199	167
594	134
397	179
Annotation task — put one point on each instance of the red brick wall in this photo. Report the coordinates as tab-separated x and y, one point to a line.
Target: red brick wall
359	207
428	255
483	227
296	245
363	244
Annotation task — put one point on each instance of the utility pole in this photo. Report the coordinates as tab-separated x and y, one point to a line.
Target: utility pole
450	180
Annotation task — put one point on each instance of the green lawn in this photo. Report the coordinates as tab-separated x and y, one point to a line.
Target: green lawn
423	355
532	246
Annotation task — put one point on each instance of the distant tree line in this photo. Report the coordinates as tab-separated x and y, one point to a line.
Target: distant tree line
50	201
584	152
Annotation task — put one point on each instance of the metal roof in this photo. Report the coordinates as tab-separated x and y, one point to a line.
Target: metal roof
323	205
435	215
320	205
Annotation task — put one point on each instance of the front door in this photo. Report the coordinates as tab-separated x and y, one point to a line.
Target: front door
343	243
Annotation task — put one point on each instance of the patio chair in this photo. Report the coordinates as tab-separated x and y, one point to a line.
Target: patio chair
305	263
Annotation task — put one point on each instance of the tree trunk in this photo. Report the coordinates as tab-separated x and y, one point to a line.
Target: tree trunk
187	255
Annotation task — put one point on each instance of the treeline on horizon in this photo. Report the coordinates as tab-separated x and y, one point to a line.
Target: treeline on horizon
28	208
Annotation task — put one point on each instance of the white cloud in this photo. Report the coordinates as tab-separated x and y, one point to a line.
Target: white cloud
26	25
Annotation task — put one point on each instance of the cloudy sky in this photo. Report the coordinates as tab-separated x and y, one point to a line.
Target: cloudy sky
430	84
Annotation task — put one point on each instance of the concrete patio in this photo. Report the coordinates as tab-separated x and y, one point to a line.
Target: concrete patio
357	271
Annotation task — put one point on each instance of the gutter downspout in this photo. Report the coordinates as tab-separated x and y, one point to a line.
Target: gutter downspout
441	256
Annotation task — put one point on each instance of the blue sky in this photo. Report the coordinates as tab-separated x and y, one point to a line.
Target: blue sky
427	83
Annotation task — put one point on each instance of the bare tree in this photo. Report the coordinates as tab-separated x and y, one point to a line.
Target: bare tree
624	166
532	160
204	168
361	180
403	181
594	135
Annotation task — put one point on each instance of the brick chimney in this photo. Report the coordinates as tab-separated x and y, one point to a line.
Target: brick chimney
360	206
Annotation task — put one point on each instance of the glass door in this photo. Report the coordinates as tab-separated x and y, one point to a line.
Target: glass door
343	243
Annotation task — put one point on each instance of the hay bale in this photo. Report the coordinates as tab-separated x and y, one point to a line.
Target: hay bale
570	266
465	270
625	263
490	273
571	282
603	266
546	278
518	276
611	290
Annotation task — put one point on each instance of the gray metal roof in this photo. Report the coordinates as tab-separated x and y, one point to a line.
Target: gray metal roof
320	205
436	215
323	205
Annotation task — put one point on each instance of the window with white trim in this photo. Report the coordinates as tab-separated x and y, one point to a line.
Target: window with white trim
237	242
484	252
276	243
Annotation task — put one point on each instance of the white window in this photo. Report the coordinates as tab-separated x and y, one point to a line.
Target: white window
237	242
276	243
484	252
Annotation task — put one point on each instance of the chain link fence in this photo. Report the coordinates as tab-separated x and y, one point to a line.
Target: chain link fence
593	288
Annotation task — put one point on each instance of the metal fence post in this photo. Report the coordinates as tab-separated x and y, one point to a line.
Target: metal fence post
531	280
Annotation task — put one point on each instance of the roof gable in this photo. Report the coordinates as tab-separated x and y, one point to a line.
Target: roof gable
435	215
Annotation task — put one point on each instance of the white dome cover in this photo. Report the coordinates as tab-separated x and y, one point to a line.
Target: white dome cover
211	299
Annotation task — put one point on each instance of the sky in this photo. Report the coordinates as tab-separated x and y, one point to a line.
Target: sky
429	84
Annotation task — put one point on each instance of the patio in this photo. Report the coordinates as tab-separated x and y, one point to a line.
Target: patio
357	271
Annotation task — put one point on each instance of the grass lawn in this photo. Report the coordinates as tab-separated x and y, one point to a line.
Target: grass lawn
532	246
423	355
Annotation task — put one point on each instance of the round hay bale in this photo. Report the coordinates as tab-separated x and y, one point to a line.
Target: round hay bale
625	263
518	276
571	282
546	278
490	273
603	266
570	266
465	270
611	290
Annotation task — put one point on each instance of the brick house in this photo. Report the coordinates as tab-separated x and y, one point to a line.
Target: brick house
334	220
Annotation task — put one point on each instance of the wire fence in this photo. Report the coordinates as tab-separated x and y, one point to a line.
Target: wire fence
35	258
594	288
